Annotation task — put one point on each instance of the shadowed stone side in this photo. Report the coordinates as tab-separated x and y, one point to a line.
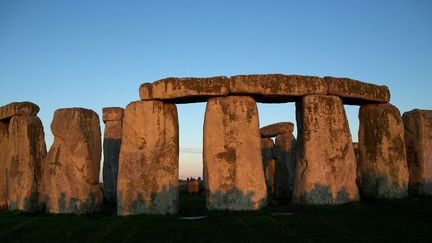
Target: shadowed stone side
112	117
73	162
18	109
418	142
24	175
269	163
275	129
383	164
185	90
148	165
326	170
274	88
4	140
232	155
285	165
357	93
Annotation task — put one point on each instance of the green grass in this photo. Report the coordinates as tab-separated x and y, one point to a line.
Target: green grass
405	220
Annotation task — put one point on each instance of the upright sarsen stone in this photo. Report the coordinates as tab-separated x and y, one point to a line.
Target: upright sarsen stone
326	171
26	151
232	154
269	163
73	162
382	165
4	140
418	142
112	117
285	165
148	165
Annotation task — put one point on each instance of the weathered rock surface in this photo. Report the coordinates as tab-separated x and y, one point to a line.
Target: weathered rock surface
418	141
275	129
355	92
185	90
286	163
383	165
326	170
4	140
73	162
148	166
112	114
112	117
269	163
24	175
275	88
18	109
232	154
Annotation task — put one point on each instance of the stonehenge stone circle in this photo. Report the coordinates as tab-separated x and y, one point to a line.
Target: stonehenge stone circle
73	163
383	165
269	163
148	165
232	155
112	117
24	175
418	141
326	170
286	163
4	140
275	129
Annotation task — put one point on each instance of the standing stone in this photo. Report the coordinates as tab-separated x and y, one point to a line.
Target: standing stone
269	163
285	165
232	154
326	171
4	140
26	151
73	162
112	117
148	166
383	164
418	141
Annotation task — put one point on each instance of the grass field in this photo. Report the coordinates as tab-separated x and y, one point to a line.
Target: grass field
405	220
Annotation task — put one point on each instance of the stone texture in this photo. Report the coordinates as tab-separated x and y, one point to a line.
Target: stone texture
18	109
269	163
4	140
111	148
418	142
275	129
274	88
185	90
326	170
148	165
73	162
24	175
383	164
286	163
232	154
112	114
356	92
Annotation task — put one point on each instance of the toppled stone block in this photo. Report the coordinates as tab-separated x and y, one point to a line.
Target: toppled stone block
73	163
24	175
383	164
18	109
326	170
232	155
112	117
148	166
269	163
185	90
275	129
286	163
274	88
418	142
356	92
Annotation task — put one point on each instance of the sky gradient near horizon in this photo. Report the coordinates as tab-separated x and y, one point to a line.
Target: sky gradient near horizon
95	54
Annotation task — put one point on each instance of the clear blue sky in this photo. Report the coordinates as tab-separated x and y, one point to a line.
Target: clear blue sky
95	54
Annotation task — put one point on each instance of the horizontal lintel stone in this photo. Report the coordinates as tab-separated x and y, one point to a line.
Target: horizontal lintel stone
18	109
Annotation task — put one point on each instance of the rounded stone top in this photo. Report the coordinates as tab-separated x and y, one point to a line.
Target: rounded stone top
276	129
18	109
112	114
